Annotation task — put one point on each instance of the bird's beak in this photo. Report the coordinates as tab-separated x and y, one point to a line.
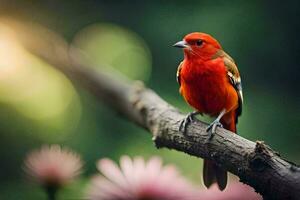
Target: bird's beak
181	44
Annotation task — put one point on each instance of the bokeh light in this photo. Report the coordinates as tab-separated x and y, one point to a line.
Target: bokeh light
112	47
33	88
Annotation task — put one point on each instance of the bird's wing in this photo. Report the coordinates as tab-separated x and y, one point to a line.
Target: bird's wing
178	73
234	76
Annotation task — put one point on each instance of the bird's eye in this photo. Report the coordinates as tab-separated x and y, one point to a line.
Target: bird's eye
199	42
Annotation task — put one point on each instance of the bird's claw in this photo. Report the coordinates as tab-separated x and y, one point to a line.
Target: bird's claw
213	127
186	121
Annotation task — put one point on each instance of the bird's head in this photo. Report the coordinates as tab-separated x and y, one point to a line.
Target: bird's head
199	46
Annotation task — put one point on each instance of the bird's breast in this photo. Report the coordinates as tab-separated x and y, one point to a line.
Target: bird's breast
204	87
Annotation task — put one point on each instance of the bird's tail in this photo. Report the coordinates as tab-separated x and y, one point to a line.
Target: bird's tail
214	174
211	172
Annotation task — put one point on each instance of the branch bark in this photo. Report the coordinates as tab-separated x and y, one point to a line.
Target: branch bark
254	162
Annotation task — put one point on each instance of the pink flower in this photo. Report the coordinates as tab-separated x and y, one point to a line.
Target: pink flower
137	179
52	166
235	191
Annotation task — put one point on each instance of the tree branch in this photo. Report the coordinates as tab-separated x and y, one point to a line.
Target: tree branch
254	162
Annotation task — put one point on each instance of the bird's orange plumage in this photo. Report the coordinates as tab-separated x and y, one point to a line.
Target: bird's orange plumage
210	83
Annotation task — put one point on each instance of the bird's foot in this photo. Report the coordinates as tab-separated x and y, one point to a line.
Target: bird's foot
211	129
186	121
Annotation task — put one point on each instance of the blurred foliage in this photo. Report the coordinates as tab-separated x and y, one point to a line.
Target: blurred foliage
40	105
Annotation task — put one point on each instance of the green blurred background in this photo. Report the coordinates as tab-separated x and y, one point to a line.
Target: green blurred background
39	105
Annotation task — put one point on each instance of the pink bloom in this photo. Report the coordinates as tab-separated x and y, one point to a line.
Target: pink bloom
52	166
137	179
235	191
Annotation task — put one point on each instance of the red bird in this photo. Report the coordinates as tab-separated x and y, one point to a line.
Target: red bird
210	82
